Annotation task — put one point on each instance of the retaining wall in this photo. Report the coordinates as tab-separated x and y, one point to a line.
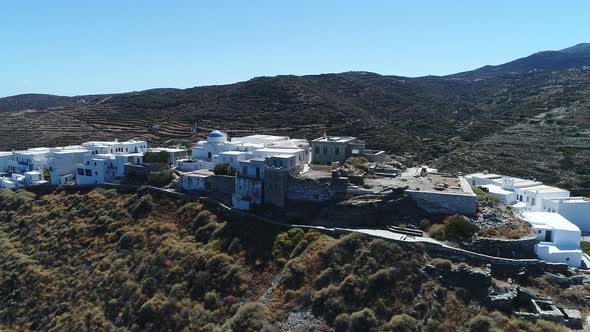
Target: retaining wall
509	248
444	203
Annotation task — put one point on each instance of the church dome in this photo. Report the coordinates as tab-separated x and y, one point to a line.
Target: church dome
216	134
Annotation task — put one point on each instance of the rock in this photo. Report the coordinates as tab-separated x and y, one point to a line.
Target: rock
504	302
574	318
566	282
469	278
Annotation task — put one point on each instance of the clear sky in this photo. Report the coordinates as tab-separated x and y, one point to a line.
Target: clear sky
82	47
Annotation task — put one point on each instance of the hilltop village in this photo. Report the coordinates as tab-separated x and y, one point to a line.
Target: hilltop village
262	173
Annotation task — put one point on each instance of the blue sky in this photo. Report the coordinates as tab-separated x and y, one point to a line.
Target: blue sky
82	47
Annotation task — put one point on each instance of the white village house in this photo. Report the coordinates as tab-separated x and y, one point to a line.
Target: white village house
106	160
559	239
557	218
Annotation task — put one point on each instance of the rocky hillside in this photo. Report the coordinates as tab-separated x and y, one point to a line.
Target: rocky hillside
134	261
571	57
496	119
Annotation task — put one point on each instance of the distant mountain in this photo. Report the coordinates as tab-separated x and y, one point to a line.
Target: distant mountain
572	57
33	101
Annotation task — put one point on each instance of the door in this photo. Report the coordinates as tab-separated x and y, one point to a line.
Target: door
548	236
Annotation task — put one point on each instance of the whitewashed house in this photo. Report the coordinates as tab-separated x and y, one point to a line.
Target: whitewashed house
574	209
196	180
106	160
5	157
28	160
62	164
559	239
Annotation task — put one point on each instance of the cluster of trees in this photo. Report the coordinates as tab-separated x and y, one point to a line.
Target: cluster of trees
138	261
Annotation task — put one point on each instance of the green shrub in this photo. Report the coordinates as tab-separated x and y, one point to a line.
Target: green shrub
160	178
438	232
480	323
363	321
342	323
250	317
156	157
402	323
424	224
294	274
458	228
286	242
142	207
212	300
442	265
223	169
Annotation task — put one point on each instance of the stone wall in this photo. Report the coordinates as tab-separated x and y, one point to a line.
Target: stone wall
223	184
275	186
316	190
509	248
445	203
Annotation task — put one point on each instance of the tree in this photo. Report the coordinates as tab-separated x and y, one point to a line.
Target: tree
156	157
223	169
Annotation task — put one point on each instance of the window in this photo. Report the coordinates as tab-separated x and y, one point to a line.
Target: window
325	150
539	231
257	173
355	151
245	171
567	259
88	172
95	173
337	151
317	150
80	171
95	163
533	202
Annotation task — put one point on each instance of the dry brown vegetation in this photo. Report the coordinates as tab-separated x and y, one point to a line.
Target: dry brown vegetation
108	260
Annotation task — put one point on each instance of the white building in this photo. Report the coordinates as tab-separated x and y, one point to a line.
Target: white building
106	160
574	209
28	160
62	164
559	239
5	157
195	180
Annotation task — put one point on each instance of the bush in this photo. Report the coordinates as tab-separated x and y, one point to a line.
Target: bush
480	323
458	228
160	178
424	224
442	265
402	323
438	232
363	321
294	274
156	157
342	323
250	317
223	169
